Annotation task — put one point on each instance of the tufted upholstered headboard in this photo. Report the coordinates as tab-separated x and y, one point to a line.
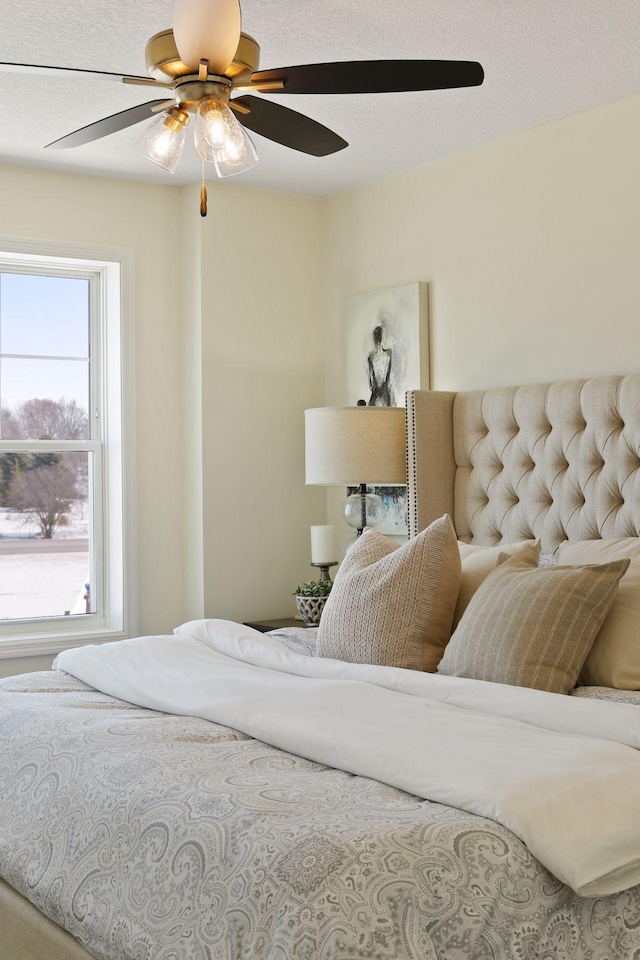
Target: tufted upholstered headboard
558	461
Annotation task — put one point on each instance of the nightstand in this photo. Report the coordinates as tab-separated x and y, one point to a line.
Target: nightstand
265	625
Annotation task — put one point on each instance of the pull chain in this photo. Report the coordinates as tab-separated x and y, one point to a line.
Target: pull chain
203	195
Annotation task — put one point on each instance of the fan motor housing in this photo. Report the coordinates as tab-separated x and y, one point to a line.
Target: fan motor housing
190	94
164	63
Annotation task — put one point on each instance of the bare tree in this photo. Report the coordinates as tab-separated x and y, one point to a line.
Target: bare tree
45	495
41	419
9	425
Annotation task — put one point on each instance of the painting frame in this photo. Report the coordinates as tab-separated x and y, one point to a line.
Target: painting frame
399	355
386	353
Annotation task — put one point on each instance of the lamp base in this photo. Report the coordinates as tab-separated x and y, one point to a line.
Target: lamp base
364	510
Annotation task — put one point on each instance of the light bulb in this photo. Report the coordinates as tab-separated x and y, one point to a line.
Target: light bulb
218	135
160	149
163	140
236	151
216	124
220	139
238	157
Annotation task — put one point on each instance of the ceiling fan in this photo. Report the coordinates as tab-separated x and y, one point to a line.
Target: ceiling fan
205	59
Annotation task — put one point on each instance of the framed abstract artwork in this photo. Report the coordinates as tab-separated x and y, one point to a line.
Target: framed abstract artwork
386	354
386	345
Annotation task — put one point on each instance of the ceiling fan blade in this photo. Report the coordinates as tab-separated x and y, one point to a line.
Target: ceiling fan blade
117	121
207	30
37	70
374	76
288	127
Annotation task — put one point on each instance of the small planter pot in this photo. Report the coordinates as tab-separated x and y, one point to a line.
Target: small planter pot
310	609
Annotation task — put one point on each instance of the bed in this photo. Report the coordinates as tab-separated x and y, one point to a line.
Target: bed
128	832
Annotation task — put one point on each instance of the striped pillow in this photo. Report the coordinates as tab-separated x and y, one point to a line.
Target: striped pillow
478	562
533	627
393	605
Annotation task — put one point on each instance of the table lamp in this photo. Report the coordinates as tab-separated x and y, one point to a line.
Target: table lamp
356	446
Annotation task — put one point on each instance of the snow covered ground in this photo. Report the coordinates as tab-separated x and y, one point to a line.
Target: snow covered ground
41	584
42	578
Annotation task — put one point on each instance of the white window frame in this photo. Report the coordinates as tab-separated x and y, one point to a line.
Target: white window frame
110	270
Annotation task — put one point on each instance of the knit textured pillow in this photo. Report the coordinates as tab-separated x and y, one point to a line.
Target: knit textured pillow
393	605
533	627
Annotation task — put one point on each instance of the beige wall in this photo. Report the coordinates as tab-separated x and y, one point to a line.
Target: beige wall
193	505
228	354
78	209
262	345
531	246
13	666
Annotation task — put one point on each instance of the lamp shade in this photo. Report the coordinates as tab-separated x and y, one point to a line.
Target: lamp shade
347	446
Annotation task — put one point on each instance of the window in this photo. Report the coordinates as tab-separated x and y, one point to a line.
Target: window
65	537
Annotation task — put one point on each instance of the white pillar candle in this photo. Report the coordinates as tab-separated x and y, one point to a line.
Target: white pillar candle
323	543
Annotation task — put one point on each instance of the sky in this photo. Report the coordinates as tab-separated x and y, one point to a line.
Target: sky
40	317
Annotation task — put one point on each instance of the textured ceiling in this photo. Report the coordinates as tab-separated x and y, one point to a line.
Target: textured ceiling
543	59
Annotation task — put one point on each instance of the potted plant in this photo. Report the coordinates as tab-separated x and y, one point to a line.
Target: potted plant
311	598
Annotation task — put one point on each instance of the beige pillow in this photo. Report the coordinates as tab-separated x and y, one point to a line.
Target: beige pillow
532	628
391	604
614	660
478	562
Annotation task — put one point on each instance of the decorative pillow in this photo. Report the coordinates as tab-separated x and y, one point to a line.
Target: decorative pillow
478	562
614	660
393	605
532	628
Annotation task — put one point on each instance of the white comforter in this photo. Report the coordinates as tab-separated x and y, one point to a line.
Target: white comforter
562	773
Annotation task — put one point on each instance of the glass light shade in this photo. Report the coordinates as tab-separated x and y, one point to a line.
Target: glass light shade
238	161
221	140
163	140
375	510
214	126
207	30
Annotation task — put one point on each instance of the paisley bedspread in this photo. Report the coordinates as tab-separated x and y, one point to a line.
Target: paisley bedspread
155	837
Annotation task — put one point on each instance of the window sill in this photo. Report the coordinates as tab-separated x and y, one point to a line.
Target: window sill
32	645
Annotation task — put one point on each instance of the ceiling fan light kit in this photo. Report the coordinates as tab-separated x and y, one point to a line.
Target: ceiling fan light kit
214	125
163	140
220	139
206	58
